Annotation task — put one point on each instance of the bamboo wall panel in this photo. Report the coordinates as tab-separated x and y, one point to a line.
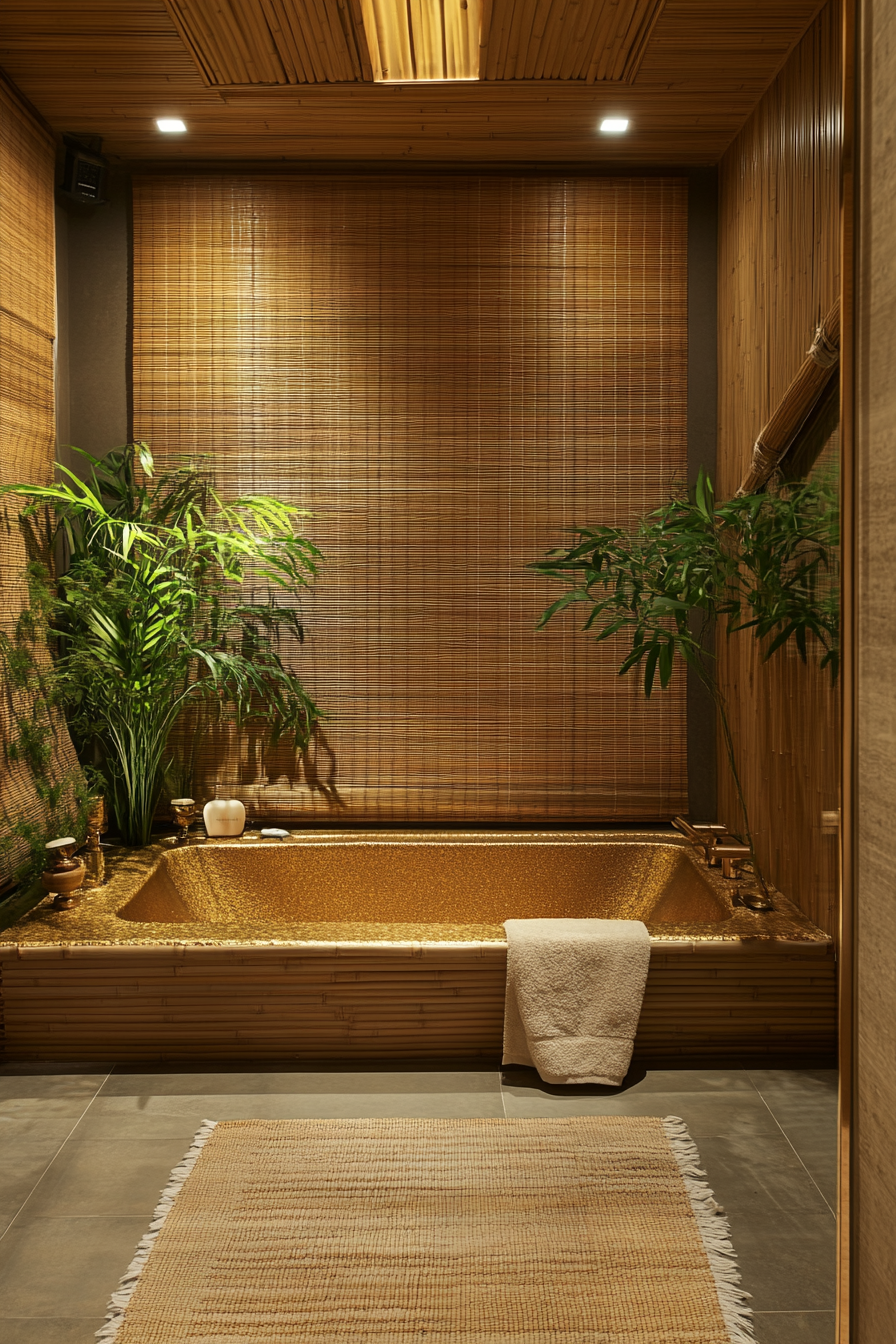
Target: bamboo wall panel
110	67
168	1003
778	276
449	373
27	427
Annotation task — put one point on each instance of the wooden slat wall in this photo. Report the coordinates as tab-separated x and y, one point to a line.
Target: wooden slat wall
778	275
158	1003
27	425
449	372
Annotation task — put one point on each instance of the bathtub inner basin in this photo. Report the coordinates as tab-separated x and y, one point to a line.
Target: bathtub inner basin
366	881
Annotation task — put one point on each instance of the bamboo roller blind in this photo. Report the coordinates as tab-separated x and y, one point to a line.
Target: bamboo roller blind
27	426
449	373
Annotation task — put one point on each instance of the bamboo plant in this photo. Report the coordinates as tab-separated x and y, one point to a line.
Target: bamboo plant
764	562
150	616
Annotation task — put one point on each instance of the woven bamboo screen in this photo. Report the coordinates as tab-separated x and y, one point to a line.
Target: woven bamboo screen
449	373
27	431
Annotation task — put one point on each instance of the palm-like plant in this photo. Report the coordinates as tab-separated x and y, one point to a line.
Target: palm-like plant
149	617
766	562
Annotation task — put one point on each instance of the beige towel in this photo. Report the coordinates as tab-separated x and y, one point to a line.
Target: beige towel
574	991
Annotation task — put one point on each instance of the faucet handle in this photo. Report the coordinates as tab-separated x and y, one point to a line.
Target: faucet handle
703	835
731	853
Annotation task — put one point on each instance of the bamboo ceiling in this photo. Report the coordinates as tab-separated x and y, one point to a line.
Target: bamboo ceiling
563	39
449	372
274	41
239	42
110	67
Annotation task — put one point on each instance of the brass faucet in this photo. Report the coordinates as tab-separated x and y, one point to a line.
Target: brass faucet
732	854
702	835
722	848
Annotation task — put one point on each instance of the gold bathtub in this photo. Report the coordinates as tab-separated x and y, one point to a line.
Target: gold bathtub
391	945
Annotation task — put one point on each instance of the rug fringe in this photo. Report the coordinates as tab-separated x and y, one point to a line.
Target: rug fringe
128	1282
715	1232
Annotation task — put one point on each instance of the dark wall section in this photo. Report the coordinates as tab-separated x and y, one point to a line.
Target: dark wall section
93	279
703	229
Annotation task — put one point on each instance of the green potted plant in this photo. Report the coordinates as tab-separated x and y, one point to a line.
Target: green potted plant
765	562
149	616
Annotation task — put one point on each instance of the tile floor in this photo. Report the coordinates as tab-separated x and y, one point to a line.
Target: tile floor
85	1151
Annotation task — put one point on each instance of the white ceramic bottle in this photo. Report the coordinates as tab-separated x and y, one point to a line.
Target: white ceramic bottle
224	816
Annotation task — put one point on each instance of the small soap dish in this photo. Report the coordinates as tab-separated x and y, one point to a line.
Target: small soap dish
274	833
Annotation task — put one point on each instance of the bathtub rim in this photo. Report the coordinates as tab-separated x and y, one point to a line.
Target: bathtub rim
95	923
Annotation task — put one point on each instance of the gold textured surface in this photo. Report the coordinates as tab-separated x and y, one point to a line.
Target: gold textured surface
536	1230
411	887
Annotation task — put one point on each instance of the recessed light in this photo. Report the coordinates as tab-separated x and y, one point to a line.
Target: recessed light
614	125
171	125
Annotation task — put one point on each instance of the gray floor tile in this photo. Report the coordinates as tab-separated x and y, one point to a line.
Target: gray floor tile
50	1087
43	1108
649	1080
22	1164
690	1080
35	1129
795	1327
291	1082
279	1106
722	1113
51	1330
795	1112
754	1178
102	1179
65	1267
787	1262
799	1096
118	1118
816	1146
803	1082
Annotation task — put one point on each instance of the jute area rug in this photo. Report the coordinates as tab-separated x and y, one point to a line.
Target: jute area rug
592	1229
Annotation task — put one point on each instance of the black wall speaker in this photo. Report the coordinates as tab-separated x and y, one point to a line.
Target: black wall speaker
84	170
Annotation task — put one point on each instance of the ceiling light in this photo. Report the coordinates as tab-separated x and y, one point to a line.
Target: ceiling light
171	125
614	125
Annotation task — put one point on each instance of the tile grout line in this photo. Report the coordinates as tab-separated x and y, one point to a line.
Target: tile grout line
17	1215
821	1193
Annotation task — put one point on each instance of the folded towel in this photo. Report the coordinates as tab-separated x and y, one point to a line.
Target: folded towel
574	991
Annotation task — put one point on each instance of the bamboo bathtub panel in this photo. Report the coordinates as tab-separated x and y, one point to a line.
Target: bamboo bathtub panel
135	1004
